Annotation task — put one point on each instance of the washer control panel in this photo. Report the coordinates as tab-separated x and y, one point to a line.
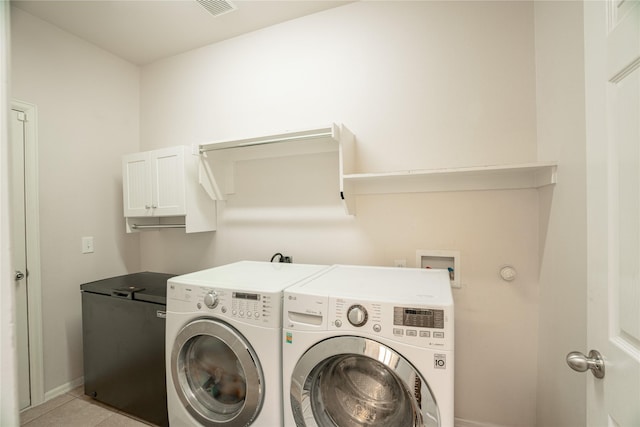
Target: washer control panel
211	299
427	326
249	307
418	317
357	315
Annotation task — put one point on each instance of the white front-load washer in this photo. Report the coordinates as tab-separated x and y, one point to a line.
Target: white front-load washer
223	344
369	346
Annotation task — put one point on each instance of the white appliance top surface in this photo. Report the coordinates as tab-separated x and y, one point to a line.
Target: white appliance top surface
390	284
251	275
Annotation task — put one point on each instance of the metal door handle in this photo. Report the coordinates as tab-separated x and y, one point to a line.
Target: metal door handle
19	275
579	362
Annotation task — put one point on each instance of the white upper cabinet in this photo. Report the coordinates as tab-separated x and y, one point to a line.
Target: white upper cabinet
153	183
160	190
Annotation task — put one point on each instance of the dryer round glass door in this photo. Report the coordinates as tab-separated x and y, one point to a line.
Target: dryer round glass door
217	374
357	382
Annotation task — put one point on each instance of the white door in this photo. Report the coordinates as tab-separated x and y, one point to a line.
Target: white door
19	253
136	185
168	181
612	60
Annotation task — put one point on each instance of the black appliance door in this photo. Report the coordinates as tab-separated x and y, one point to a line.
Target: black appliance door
352	381
124	355
217	374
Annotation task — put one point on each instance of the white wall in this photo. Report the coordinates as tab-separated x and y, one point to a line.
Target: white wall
88	104
422	85
563	269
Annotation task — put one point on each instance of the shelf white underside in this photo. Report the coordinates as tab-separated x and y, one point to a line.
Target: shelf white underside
503	177
280	140
218	159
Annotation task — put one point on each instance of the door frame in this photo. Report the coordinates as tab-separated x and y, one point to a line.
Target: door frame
34	278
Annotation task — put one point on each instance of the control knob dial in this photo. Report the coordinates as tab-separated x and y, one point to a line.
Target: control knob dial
211	299
357	315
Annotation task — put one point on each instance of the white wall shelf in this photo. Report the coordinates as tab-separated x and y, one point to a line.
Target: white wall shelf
218	159
500	177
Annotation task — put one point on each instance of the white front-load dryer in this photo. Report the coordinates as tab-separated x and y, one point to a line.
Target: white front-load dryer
369	346
223	344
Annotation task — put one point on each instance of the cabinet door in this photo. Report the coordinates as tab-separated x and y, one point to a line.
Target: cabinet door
168	181
136	185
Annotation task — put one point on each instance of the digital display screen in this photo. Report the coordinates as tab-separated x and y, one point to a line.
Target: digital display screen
244	295
417	317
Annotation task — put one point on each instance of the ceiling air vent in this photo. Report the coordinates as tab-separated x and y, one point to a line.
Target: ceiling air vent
217	7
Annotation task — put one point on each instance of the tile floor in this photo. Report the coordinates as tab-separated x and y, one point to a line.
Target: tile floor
74	409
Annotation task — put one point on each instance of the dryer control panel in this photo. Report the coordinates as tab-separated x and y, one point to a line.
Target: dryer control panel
255	308
420	325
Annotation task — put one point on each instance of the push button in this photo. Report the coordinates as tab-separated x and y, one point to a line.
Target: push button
412	333
425	334
398	331
438	334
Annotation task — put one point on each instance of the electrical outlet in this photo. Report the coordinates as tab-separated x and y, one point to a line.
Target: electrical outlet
87	245
402	263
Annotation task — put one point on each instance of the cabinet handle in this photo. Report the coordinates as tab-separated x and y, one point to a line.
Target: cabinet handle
153	206
147	207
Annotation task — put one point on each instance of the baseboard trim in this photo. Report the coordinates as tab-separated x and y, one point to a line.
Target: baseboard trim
460	422
64	388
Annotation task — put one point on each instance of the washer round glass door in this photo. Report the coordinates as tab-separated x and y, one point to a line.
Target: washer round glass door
355	382
216	374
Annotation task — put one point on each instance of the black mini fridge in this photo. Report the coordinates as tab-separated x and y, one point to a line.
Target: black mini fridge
123	331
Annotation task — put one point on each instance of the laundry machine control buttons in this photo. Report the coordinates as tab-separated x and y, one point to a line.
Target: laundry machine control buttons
357	315
211	299
377	328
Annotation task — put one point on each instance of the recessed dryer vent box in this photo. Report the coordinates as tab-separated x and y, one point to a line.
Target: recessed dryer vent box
447	260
